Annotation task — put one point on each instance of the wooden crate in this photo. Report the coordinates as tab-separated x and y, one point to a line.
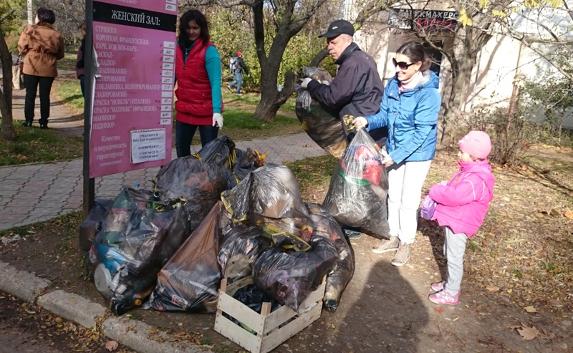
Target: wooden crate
264	331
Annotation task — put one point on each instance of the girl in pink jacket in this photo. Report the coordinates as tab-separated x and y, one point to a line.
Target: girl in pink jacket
462	205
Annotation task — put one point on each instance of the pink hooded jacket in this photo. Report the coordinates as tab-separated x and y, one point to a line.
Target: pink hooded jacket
463	202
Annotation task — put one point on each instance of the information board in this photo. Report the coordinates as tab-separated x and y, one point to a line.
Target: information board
131	123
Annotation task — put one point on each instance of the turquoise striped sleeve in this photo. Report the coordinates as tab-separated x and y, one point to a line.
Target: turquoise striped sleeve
213	67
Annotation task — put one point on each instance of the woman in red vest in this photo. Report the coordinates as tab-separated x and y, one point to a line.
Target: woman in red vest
198	76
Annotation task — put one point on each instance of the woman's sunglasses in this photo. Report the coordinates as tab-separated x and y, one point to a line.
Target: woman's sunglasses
402	65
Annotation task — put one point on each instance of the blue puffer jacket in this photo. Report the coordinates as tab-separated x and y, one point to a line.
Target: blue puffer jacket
411	117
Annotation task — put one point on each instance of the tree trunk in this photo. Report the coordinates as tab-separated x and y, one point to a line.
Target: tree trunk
30	11
7	131
271	98
460	88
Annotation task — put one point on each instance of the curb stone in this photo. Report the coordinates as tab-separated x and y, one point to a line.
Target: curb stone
143	338
129	332
21	284
72	307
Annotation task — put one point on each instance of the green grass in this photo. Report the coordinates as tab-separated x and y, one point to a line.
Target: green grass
239	121
241	125
312	172
68	62
70	93
34	145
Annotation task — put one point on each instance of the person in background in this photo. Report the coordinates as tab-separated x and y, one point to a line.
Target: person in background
198	76
80	72
409	110
357	88
41	46
238	69
461	206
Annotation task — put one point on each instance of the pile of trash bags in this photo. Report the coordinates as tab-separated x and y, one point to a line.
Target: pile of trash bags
143	229
219	214
321	124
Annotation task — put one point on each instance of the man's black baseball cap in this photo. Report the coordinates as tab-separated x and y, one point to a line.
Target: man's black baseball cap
337	28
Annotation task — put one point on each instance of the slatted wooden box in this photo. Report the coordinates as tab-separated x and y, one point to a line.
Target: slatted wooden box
267	329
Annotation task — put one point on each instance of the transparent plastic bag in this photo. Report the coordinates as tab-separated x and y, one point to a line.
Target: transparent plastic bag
129	248
359	187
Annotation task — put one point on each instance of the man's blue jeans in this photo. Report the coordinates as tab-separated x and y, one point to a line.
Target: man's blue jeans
238	82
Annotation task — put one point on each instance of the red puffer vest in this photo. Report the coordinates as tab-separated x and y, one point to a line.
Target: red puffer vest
194	104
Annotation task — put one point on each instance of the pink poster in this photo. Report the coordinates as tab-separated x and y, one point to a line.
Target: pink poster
134	42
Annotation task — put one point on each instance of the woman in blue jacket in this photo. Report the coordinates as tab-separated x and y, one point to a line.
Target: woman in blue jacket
409	109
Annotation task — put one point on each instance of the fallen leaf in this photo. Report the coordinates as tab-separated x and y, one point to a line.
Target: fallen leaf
568	214
530	309
111	346
492	289
528	333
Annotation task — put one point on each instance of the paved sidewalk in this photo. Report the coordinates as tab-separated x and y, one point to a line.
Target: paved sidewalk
38	192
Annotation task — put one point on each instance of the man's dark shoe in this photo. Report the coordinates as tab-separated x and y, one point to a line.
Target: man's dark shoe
27	124
43	126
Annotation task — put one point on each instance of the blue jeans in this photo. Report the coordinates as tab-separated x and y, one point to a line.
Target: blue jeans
184	135
238	81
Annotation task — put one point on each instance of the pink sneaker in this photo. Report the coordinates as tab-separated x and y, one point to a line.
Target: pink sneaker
445	297
438	286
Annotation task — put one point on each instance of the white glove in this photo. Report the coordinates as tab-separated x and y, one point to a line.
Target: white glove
218	120
305	81
360	122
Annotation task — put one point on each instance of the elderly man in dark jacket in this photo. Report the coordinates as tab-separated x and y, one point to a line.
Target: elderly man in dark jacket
357	89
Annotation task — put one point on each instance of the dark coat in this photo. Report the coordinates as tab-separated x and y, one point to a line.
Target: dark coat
356	89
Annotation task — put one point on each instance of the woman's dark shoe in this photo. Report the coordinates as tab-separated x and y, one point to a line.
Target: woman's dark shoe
43	126
27	124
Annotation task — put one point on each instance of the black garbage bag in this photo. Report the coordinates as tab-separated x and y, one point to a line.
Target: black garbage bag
190	279
337	280
359	187
193	185
128	249
189	179
239	250
289	277
246	162
237	163
270	191
253	297
92	223
321	124
270	198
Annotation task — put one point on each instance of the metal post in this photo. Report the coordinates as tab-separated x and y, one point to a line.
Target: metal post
88	184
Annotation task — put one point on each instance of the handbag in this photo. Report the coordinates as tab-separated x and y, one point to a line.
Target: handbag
427	208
